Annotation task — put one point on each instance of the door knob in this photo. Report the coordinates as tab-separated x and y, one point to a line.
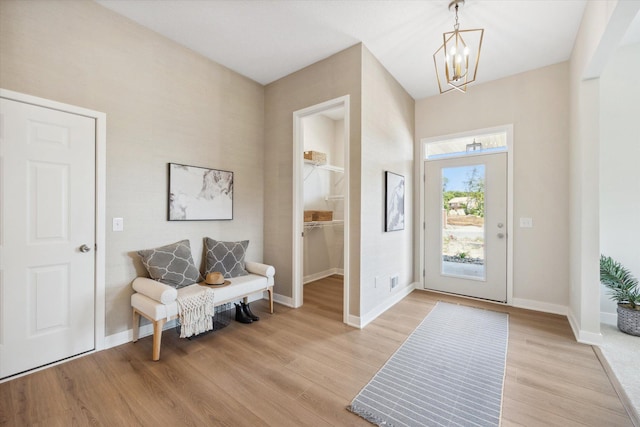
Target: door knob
500	235
85	249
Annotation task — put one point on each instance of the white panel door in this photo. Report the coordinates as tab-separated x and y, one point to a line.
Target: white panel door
466	226
47	236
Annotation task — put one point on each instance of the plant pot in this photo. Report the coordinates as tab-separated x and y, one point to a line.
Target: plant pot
629	320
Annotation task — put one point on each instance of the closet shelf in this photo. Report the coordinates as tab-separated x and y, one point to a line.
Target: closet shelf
336	197
316	224
331	168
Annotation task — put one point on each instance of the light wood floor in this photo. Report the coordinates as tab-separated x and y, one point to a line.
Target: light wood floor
302	367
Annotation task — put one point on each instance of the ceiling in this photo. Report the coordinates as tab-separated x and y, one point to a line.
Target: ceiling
266	40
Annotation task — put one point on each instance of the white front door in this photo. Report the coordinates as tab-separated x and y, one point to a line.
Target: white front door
47	236
466	226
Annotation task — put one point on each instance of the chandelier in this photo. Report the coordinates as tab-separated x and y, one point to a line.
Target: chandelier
456	61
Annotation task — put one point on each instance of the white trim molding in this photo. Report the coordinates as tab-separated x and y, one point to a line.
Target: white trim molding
284	300
398	295
298	199
419	250
321	275
545	307
583	337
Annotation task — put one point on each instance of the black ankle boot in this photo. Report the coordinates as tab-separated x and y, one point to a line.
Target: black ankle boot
240	316
247	311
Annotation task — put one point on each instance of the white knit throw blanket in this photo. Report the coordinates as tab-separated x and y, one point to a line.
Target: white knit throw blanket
196	313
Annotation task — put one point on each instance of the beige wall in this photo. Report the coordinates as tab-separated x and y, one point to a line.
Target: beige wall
381	138
164	103
336	76
619	159
387	145
537	104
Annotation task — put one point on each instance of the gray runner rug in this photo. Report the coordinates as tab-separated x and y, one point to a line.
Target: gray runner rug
449	372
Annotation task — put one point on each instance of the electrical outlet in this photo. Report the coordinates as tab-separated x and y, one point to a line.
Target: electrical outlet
394	281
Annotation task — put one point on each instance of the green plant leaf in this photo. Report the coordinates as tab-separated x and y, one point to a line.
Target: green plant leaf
621	284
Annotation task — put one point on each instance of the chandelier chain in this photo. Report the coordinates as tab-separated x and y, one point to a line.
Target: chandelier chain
457	25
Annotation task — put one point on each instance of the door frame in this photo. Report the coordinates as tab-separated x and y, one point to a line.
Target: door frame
100	200
298	198
420	170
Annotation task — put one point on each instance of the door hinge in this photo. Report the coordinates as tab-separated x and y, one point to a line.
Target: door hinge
424	272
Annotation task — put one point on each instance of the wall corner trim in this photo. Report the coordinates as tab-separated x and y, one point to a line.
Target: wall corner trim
584	337
281	299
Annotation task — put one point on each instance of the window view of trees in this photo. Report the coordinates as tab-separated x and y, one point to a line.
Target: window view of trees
463	204
473	194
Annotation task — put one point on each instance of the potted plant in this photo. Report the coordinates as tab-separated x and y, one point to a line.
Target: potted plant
623	288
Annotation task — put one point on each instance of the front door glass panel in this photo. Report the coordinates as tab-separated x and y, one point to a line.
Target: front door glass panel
463	230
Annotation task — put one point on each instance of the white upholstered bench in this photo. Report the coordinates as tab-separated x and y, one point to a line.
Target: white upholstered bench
157	302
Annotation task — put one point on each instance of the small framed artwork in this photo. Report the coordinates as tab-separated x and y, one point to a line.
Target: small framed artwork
199	194
394	201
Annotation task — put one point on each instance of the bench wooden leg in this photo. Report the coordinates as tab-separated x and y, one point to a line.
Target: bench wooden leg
136	325
157	337
270	290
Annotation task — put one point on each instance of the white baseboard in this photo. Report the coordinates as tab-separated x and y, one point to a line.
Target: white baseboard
396	297
124	337
584	337
609	318
540	306
321	275
281	299
354	321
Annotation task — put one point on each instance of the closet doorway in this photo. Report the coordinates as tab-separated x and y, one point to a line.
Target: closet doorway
321	160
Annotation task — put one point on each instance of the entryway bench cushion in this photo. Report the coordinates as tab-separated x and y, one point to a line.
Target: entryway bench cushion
157	302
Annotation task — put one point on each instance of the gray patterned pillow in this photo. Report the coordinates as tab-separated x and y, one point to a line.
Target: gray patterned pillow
225	257
171	264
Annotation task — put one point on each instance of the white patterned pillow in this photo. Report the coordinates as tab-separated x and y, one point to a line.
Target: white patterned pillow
171	264
225	257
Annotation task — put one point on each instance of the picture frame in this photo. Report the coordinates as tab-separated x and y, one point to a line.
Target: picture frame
394	201
199	194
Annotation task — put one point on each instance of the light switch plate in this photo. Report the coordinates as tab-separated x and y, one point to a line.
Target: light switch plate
118	224
526	222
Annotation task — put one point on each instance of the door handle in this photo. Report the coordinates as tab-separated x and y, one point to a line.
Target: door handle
500	235
84	249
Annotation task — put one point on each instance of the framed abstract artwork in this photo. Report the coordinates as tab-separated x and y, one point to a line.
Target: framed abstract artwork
199	194
394	201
